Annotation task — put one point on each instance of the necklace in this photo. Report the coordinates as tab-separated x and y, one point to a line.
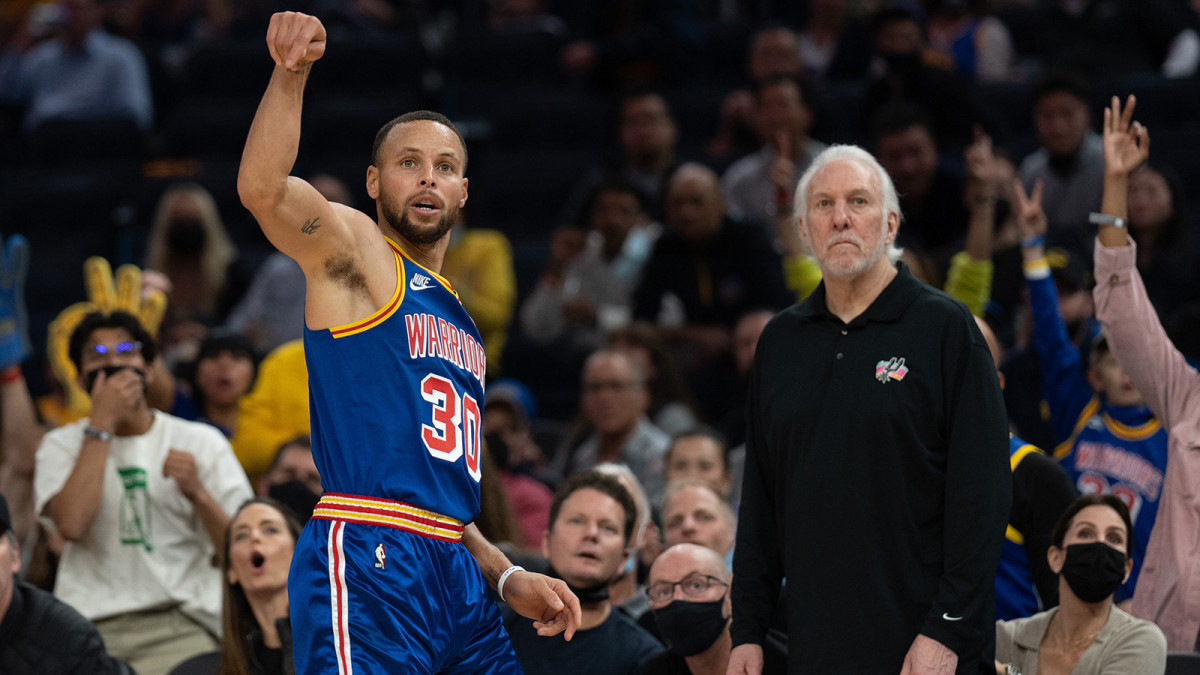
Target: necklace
1074	645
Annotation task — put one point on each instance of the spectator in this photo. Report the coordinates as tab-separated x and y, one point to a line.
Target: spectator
1086	632
904	70
774	50
647	138
83	74
592	523
671	406
272	311
1168	251
1106	438
688	590
1167	590
508	413
705	272
479	264
1042	490
614	403
257	635
758	187
275	410
834	44
293	478
224	373
39	634
625	590
733	423
699	453
1106	38
931	193
142	499
1070	161
978	42
696	513
189	246
580	299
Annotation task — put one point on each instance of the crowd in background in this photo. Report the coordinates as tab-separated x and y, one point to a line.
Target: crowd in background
629	233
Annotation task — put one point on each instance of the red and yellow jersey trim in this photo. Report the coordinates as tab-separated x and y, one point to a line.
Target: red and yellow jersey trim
1063	449
382	313
441	279
388	513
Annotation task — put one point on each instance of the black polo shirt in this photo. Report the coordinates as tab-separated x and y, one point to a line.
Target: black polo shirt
876	481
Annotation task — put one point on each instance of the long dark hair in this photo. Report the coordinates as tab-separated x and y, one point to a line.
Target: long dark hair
238	619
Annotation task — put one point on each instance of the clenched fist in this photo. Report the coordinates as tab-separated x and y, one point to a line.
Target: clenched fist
295	40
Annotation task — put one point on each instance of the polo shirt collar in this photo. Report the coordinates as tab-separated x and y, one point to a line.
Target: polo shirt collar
888	307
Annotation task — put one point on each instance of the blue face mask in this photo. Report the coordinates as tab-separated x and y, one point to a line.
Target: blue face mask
630	564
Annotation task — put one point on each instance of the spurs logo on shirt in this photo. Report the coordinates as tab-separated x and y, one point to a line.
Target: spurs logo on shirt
891	369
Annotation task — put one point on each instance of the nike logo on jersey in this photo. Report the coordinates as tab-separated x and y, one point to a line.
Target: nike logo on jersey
947	617
420	282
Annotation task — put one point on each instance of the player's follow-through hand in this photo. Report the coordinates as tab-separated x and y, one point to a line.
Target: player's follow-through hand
295	40
546	600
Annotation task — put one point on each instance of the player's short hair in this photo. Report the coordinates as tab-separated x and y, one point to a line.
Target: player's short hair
94	321
416	116
602	483
1112	501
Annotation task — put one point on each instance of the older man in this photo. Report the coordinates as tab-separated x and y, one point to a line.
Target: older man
876	475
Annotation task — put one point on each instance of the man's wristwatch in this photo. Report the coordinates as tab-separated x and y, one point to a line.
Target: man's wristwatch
1011	669
1106	219
98	434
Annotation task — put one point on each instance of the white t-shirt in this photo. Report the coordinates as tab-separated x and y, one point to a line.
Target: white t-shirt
147	547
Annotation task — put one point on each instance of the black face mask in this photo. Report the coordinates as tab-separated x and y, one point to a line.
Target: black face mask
296	496
186	236
1093	571
589	595
90	378
691	627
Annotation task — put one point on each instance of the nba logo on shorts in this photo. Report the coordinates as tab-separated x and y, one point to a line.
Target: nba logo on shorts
380	557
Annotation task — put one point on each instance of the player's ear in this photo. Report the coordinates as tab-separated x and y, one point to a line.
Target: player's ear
463	202
373	182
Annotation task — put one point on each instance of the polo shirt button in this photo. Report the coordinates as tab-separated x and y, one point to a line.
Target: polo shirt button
1114	279
839	356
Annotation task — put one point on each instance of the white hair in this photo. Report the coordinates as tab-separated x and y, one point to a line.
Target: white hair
851	153
631	482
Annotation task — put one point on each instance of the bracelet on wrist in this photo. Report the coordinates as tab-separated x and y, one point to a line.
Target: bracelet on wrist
1106	219
1035	240
98	434
504	577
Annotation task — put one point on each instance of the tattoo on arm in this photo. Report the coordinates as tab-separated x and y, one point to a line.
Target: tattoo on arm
310	226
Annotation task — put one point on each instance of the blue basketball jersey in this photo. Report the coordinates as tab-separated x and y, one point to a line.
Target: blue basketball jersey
1120	451
1016	594
396	399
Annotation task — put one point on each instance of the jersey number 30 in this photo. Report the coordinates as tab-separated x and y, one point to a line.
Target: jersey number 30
455	428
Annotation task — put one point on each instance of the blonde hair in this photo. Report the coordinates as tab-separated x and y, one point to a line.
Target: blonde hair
218	253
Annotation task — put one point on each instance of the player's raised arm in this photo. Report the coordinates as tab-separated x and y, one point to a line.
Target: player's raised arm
293	215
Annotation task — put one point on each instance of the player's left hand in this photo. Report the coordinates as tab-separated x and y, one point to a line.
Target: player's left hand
552	606
927	656
181	466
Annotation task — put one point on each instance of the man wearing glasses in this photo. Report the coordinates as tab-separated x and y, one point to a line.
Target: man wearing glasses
142	499
688	588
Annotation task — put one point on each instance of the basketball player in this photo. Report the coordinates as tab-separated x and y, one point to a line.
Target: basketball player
387	574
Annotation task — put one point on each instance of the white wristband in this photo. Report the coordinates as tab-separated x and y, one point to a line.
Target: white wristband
504	577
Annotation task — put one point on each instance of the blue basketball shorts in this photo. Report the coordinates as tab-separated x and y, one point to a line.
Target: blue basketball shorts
379	586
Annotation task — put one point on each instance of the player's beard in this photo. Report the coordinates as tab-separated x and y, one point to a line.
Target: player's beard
398	220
